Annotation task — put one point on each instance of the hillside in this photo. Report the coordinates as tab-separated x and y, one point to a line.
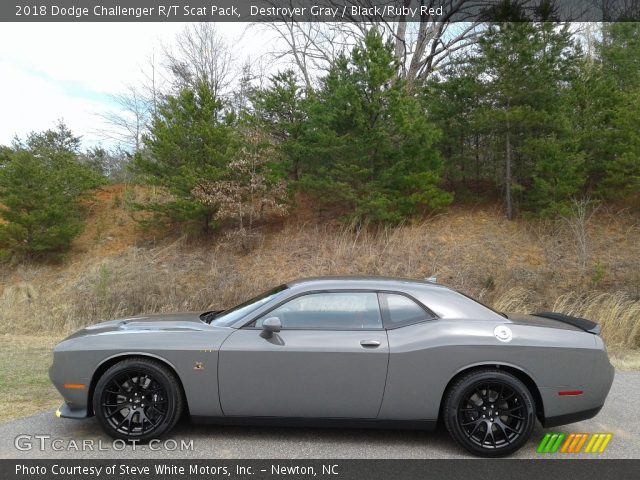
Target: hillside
116	269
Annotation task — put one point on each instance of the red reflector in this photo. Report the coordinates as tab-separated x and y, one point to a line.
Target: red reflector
570	393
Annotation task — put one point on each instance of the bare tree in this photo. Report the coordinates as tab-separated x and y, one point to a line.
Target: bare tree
251	78
200	56
128	122
577	219
421	47
311	48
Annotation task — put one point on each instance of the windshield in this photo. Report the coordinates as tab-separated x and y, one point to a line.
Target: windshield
231	316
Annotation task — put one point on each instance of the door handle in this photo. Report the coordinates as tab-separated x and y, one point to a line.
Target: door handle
370	343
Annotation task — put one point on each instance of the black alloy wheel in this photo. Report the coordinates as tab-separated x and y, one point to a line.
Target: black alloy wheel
490	413
137	399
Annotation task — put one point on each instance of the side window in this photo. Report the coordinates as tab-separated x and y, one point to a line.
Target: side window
331	310
400	310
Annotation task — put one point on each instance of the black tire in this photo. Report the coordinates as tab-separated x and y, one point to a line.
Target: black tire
138	399
472	415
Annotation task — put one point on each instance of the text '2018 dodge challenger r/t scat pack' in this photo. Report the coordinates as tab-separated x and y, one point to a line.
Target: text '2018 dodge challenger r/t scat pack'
361	351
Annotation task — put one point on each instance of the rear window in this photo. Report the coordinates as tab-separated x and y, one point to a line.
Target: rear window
401	310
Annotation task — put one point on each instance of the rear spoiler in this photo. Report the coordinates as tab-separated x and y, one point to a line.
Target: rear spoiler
586	325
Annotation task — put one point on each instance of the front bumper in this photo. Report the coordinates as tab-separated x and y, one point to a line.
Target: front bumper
75	399
66	411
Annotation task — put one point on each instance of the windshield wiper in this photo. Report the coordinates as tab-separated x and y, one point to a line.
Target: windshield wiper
208	317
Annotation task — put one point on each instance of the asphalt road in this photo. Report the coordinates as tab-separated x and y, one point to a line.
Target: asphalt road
620	416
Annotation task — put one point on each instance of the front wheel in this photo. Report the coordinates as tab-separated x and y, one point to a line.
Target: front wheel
137	399
491	413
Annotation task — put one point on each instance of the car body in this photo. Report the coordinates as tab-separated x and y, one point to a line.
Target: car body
343	350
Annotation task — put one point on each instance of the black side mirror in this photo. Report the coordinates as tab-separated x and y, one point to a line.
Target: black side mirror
269	326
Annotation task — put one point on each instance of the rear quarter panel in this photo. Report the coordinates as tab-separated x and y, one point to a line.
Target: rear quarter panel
426	356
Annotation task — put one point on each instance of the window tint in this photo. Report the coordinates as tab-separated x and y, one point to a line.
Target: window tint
402	310
229	317
339	311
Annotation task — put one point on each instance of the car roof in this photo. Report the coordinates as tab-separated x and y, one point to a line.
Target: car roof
363	282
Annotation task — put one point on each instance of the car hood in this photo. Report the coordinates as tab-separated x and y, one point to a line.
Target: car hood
152	322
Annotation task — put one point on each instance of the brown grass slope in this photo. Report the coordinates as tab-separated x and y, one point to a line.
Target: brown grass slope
520	266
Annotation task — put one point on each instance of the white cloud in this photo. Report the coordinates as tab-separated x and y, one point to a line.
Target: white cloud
50	71
30	104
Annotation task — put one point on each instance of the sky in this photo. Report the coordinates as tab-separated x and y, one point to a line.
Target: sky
68	71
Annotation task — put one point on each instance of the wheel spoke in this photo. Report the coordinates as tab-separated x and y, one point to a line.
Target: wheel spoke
509	410
127	417
511	428
486	434
515	416
475	429
504	432
511	395
116	411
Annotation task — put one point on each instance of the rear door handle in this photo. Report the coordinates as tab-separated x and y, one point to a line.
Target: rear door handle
370	343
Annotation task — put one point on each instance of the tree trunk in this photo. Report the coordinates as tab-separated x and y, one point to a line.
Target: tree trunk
477	153
507	176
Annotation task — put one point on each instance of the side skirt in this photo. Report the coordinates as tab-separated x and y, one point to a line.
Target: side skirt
318	422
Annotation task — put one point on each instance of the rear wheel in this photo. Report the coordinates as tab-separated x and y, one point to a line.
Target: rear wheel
137	399
491	413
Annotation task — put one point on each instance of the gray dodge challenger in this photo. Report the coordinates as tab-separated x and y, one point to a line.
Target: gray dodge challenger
343	351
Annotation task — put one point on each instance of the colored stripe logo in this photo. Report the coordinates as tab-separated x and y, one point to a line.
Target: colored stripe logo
574	443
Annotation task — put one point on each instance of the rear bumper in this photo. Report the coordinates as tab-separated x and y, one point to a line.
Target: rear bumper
561	410
570	417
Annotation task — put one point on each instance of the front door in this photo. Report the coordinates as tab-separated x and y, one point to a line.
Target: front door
328	361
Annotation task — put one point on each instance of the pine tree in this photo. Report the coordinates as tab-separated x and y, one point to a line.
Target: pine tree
41	185
609	113
367	146
279	110
189	143
526	68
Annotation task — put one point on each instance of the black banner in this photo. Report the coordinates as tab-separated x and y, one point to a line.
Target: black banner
316	10
493	469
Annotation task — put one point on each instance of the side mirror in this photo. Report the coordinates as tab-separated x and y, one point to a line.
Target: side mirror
269	326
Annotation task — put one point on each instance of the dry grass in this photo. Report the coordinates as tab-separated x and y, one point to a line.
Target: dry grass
25	388
114	270
516	266
625	360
